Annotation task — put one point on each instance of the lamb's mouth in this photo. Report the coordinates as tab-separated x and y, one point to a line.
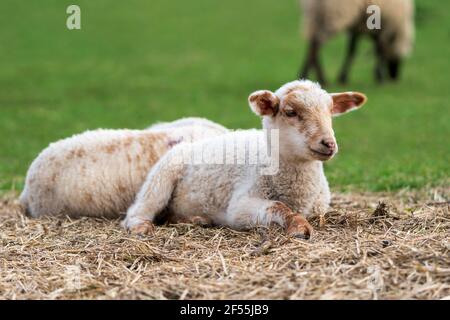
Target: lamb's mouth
321	154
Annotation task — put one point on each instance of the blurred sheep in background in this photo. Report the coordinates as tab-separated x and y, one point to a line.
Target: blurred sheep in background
393	41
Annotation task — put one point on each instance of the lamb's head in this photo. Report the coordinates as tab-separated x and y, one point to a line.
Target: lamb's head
302	112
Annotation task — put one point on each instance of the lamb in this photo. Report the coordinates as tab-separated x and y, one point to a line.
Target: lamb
393	41
241	195
98	173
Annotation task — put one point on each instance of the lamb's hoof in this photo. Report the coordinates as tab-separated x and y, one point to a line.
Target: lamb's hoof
301	230
143	228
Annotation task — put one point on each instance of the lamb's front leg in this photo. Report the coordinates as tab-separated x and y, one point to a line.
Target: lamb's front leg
250	212
153	197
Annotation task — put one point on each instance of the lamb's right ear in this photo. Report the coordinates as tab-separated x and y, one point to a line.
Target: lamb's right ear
264	103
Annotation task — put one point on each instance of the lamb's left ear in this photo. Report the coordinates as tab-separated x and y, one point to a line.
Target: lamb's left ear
346	102
264	103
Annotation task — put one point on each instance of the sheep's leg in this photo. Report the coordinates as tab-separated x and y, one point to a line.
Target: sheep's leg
250	212
303	74
153	197
380	61
295	224
317	64
312	60
343	76
394	68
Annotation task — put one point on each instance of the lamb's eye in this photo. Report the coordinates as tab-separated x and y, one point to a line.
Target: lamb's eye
290	113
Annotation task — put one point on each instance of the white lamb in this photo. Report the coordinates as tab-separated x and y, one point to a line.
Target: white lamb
241	195
98	173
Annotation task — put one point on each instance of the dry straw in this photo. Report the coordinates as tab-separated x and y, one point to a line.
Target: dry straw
369	246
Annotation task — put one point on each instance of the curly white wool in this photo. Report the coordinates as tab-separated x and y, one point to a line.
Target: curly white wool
98	173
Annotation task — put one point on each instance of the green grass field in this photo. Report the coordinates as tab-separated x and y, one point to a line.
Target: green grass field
138	61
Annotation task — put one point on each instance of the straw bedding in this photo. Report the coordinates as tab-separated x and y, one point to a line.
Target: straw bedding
369	246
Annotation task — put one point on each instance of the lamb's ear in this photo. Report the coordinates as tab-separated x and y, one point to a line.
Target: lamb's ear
264	103
346	102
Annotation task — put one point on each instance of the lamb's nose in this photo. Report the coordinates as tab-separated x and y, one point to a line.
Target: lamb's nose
329	143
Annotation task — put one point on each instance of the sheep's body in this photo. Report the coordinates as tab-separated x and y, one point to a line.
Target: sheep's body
216	192
325	18
98	173
218	181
